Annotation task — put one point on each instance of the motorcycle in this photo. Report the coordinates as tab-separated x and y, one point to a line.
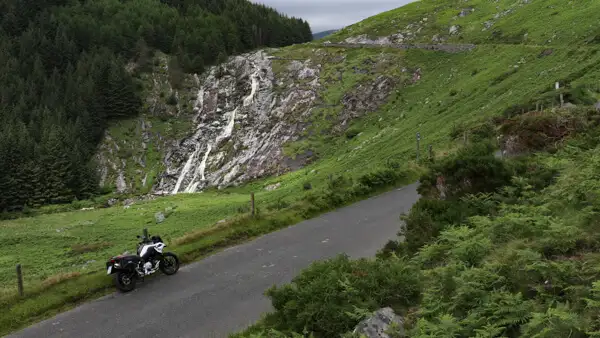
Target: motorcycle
128	269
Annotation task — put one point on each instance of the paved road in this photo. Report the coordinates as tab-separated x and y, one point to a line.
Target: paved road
224	292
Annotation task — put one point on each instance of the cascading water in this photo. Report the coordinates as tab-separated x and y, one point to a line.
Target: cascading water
248	99
186	169
191	188
216	126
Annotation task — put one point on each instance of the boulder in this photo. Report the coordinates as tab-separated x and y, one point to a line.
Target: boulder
465	11
160	217
273	186
377	325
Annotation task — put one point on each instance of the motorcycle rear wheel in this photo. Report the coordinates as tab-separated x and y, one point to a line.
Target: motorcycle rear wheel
169	265
125	281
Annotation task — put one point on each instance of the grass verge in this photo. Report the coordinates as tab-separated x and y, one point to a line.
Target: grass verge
63	293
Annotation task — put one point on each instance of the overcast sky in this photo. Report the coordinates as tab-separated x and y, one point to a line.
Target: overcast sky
332	14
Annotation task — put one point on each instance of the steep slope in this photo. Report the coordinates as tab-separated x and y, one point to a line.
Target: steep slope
520	45
318	111
496	247
296	124
71	68
532	22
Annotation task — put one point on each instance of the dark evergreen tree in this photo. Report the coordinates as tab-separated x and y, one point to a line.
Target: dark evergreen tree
63	75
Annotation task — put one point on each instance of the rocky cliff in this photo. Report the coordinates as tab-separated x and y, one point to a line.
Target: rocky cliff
231	124
240	125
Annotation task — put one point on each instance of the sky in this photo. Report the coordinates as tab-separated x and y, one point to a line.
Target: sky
332	14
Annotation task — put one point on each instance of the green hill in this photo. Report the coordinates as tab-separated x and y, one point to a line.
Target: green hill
510	248
320	35
551	22
72	68
357	107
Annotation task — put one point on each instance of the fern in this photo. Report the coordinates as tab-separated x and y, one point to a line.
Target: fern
555	322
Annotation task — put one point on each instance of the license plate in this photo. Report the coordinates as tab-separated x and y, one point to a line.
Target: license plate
109	270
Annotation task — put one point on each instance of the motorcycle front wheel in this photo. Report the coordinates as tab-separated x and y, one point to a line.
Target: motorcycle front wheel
125	281
169	265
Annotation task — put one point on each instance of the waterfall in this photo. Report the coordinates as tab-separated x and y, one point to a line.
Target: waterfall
199	173
248	99
228	129
191	188
199	104
185	170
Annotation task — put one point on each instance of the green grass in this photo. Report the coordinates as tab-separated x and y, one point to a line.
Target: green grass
513	254
545	22
502	75
74	285
428	107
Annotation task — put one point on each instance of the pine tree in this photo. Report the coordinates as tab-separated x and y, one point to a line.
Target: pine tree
64	78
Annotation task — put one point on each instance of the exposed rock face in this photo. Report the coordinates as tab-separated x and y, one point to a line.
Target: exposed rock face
377	325
364	99
240	126
126	155
230	124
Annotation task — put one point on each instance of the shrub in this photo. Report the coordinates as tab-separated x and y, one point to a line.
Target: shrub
352	132
427	219
381	178
172	100
323	298
472	170
534	131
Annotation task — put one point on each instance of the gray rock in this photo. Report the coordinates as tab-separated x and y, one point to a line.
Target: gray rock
160	217
454	29
273	186
597	106
128	202
377	325
466	11
121	184
437	38
112	202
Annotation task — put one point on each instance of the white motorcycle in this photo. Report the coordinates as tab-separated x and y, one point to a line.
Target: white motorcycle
127	270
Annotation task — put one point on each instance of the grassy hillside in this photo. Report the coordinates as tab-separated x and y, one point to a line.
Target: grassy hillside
512	254
549	22
455	92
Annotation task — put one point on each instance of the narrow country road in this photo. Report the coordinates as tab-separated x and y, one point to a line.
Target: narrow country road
224	292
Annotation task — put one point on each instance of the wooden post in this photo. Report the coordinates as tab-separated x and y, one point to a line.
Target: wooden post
430	152
465	137
145	233
20	280
252	203
418	146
